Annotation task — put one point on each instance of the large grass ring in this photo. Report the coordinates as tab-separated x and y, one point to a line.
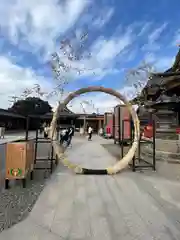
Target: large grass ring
118	166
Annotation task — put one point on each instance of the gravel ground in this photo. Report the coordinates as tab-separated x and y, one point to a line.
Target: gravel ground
17	202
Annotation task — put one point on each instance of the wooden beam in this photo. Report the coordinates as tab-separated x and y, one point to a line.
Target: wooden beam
173	84
167	74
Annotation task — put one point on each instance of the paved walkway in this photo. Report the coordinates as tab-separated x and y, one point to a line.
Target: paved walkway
126	206
15	136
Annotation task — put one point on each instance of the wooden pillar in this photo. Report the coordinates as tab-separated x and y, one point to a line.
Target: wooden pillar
84	124
99	124
178	117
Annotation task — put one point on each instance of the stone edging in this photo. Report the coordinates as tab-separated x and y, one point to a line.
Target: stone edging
161	155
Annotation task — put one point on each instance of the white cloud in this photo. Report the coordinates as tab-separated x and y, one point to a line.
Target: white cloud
164	63
38	23
153	37
102	59
152	47
104	17
129	92
155	34
104	53
144	29
112	47
34	26
14	80
176	38
150	58
102	102
160	63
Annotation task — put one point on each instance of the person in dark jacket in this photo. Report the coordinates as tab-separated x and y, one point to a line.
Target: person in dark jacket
63	136
70	134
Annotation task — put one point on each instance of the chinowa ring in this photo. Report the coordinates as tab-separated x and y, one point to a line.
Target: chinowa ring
60	151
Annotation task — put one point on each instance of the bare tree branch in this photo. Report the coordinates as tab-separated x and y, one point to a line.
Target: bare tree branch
26	93
36	90
65	63
138	77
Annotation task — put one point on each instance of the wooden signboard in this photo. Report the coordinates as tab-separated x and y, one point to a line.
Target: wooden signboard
125	122
116	122
19	159
122	121
108	122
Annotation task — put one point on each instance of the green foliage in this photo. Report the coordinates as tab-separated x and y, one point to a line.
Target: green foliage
31	106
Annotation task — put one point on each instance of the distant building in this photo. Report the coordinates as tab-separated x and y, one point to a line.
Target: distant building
162	95
66	118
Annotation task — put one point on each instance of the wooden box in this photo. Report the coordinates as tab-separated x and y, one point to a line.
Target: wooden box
19	159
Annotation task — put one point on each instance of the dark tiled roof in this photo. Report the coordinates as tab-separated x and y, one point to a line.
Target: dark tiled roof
65	113
8	113
159	81
67	110
68	114
174	70
90	115
5	112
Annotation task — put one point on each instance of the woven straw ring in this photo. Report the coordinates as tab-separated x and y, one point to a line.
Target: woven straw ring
118	166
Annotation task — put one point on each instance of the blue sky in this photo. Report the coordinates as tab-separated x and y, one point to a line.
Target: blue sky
120	35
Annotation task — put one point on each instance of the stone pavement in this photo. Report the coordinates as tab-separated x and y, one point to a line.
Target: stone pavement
15	136
126	206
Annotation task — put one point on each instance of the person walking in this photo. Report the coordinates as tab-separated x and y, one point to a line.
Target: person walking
46	131
63	136
2	130
70	134
90	130
100	131
41	128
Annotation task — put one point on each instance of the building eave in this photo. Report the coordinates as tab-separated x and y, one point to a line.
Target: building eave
7	113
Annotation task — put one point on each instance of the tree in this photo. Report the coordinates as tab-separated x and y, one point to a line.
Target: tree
137	79
36	91
83	104
31	106
66	63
